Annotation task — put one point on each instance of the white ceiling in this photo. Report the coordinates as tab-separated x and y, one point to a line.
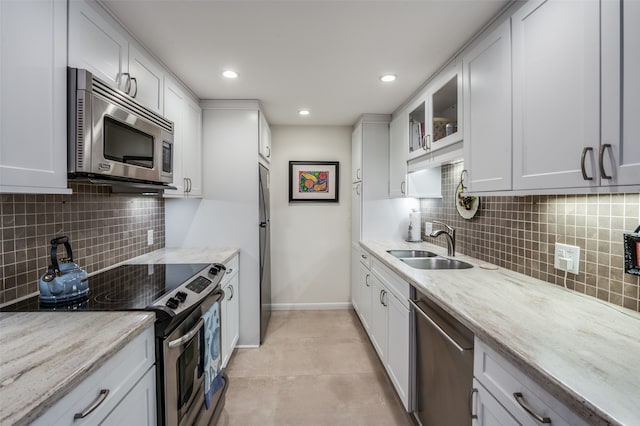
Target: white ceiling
322	55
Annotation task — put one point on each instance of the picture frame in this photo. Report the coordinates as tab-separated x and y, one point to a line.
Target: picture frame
314	181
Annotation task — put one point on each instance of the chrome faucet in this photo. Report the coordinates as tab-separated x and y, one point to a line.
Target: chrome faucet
451	237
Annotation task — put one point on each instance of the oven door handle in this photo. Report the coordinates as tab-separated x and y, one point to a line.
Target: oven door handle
187	337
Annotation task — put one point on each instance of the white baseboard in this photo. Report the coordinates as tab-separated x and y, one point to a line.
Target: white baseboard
247	346
310	306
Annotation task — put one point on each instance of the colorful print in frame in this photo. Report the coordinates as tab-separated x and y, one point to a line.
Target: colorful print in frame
313	181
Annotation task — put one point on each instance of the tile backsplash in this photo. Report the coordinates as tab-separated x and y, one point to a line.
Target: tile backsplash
103	229
519	233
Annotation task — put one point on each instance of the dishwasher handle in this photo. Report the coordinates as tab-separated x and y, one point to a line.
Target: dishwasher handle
436	326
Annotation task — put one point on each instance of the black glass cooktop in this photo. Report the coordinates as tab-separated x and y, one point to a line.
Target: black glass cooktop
126	287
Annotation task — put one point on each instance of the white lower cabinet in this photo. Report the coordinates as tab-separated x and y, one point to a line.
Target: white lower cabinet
123	390
489	412
384	312
230	308
506	391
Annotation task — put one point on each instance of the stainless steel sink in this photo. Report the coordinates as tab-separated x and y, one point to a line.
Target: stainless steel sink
436	263
401	254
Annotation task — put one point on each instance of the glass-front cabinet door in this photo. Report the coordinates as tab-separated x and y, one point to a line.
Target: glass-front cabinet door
435	119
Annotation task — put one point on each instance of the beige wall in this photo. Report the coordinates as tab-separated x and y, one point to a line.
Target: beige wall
310	243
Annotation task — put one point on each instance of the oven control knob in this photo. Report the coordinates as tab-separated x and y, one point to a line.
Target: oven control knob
214	270
181	296
172	303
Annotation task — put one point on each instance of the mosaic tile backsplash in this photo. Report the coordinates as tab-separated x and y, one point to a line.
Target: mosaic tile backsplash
103	229
519	233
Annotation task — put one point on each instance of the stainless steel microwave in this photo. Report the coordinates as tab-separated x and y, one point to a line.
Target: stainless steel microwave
112	138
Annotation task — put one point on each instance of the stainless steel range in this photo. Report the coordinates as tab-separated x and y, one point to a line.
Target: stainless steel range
190	385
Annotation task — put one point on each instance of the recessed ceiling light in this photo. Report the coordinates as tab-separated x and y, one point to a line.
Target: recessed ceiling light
304	112
387	78
230	74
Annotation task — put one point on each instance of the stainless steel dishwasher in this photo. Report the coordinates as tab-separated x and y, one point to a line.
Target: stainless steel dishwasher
443	350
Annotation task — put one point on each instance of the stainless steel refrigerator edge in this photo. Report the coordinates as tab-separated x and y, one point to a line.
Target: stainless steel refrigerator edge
265	251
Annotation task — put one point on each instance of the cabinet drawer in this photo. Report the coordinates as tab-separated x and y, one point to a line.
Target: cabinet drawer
119	374
365	258
232	269
392	281
502	379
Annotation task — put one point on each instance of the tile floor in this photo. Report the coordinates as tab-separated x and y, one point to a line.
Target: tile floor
315	368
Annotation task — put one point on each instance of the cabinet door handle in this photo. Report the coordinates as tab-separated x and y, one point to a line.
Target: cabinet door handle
472	406
520	400
136	92
366	281
232	292
402	185
95	404
186	185
190	184
358	172
604	174
269	151
427	142
358	189
364	256
229	271
127	87
585	150
383	293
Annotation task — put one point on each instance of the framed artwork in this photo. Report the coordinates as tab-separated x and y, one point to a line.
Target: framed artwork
314	181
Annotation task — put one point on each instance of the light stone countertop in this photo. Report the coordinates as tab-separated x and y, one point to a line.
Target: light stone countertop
44	355
583	351
187	255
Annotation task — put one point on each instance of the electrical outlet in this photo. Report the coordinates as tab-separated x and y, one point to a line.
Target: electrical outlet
150	237
567	258
428	228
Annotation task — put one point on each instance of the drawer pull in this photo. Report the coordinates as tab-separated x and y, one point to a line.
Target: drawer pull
99	400
230	270
520	400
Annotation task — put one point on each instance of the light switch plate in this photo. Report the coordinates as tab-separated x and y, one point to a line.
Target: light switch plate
150	237
567	258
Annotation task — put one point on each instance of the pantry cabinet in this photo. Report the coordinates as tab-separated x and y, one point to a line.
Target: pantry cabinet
487	112
99	44
230	308
33	111
398	136
556	94
187	141
265	139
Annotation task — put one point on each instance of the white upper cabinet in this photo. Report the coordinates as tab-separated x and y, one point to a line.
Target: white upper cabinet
147	80
435	119
97	45
356	154
33	98
398	136
619	155
187	141
265	139
487	112
556	101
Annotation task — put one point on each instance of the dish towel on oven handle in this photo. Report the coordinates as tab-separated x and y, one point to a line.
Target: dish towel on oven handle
212	358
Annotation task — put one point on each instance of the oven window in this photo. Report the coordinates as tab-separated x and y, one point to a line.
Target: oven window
126	144
187	368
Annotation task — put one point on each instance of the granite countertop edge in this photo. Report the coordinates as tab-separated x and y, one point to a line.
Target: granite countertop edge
572	398
37	406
